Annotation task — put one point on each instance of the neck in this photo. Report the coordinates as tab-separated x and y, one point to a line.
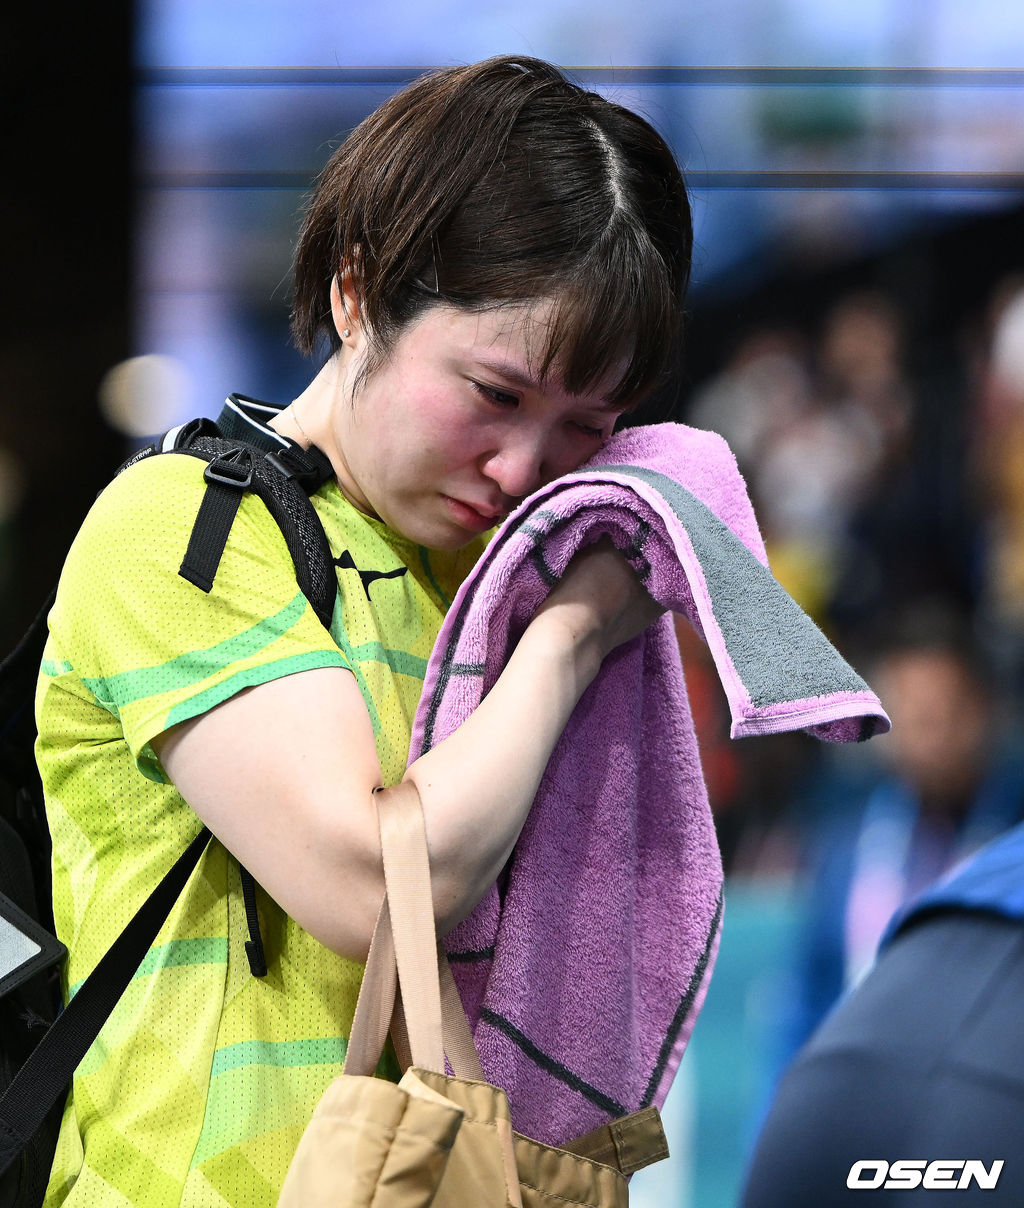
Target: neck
311	419
306	419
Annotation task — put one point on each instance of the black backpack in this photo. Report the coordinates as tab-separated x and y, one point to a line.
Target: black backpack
40	1045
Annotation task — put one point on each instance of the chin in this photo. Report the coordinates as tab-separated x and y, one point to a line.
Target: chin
449	542
431	526
437	536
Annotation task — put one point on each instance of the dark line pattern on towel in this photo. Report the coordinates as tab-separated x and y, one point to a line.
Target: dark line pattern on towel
467	958
684	1007
635	552
446	669
444	674
551	1066
545	571
468	669
537	532
540	530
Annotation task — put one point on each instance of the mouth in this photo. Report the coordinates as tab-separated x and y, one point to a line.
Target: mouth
472	517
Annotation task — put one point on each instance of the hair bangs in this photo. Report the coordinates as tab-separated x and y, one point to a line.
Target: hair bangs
503	184
616	325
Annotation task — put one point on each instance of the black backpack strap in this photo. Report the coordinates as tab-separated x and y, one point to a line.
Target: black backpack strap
254	944
23	805
250	457
19	671
245	418
228	475
243	454
45	1076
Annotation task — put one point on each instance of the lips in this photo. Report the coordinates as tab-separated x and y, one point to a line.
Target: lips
471	515
488	513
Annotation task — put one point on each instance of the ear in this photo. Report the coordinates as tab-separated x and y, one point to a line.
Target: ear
345	307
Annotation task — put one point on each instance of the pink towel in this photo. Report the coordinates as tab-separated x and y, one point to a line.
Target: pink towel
583	970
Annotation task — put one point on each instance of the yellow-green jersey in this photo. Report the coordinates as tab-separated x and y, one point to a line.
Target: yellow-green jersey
201	1082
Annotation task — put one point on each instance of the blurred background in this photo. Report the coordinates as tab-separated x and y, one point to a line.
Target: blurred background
856	332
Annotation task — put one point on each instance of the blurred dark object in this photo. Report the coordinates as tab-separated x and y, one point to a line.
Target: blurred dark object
66	218
924	1060
30	980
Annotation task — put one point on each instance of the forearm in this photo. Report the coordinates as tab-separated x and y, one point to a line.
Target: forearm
477	785
266	772
283	772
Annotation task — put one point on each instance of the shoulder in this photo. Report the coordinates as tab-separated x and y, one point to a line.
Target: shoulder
146	514
124	564
152	646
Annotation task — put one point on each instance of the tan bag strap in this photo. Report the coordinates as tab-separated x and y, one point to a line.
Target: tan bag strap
403	844
405	919
376	1001
403	936
458	1039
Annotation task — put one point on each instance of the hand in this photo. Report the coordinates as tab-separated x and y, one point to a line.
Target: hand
601	600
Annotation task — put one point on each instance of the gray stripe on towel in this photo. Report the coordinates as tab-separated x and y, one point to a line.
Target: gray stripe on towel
777	650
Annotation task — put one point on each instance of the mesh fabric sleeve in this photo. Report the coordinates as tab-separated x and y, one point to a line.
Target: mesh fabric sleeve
150	647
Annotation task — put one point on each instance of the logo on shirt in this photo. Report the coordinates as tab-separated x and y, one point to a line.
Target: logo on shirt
346	562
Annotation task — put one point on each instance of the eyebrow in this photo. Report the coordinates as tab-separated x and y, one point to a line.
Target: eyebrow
512	373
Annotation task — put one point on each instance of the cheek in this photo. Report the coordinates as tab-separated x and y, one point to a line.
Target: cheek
571	450
453	436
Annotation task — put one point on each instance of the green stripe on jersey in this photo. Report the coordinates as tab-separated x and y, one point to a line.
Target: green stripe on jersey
400	661
55	667
210	950
216	694
195	665
321	1050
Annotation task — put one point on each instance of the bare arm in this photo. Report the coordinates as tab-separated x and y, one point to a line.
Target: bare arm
283	773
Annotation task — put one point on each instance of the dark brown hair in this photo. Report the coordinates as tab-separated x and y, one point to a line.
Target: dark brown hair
498	184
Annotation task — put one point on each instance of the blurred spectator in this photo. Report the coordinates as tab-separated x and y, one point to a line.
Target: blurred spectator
816	430
819	428
853	448
949	779
999	465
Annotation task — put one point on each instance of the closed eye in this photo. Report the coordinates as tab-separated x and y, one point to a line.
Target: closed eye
506	399
502	397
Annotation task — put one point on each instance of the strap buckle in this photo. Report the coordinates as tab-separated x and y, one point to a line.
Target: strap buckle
290	463
310	468
231	469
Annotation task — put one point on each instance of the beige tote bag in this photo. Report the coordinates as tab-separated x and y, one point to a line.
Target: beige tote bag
434	1138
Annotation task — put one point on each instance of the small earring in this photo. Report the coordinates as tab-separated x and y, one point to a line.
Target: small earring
345	334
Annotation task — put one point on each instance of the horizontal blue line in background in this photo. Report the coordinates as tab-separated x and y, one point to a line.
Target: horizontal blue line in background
981	182
903	77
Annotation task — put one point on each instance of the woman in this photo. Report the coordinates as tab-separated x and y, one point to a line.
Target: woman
497	261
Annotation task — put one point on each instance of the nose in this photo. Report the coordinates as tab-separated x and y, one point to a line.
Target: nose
519	465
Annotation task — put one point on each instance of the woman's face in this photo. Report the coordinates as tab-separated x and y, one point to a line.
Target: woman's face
446	437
